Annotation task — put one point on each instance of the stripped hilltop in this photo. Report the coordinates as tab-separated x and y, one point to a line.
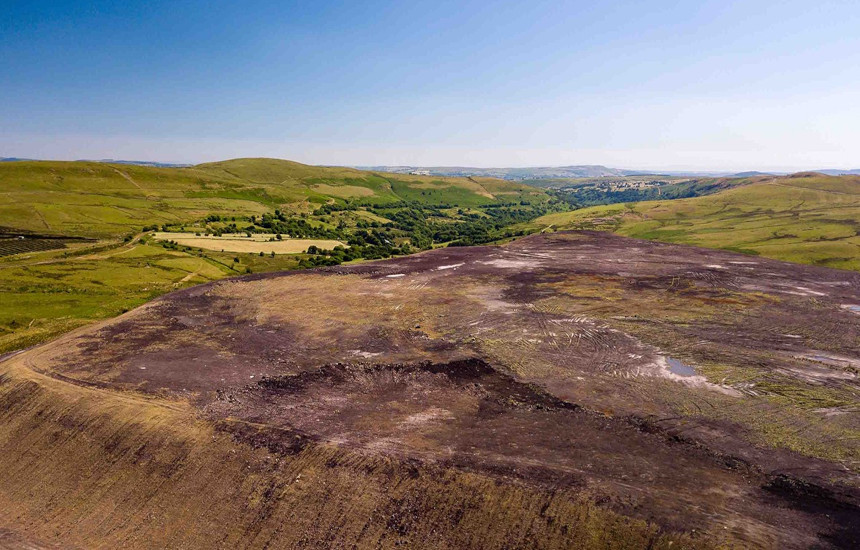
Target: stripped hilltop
565	390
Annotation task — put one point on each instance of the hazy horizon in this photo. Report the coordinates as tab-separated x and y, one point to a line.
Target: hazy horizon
501	166
659	86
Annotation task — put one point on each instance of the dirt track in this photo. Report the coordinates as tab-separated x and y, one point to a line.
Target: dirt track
544	363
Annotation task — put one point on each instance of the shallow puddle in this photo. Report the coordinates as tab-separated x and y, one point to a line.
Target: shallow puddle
680	368
828	359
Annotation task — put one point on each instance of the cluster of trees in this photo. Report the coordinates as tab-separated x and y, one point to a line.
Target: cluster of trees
426	225
216	218
495	224
368	245
329	208
295	227
414	226
376	244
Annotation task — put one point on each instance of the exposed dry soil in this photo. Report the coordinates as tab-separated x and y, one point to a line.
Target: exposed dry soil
705	398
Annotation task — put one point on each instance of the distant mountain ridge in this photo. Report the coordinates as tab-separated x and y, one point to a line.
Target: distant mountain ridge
573	171
523	173
584	171
140	163
111	161
832	172
753	173
536	172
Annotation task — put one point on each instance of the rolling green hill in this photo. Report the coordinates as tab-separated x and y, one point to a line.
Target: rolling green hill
93	199
806	218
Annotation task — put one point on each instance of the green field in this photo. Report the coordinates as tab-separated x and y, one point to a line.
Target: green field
52	285
93	199
48	293
805	218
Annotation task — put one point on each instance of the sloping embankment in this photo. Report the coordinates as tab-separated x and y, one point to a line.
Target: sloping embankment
93	468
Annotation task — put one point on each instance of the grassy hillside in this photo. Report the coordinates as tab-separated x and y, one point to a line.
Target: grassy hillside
54	284
49	293
806	218
597	192
101	200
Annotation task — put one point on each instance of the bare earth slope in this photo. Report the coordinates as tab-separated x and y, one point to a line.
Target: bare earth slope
565	390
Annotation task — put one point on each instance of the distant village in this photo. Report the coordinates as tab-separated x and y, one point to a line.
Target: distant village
621	184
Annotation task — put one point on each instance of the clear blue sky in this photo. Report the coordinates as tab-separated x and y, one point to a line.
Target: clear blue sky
641	84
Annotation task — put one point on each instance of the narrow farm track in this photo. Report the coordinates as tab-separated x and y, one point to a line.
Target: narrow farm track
129	179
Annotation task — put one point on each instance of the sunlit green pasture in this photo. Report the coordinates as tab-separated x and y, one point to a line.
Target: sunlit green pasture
47	293
810	219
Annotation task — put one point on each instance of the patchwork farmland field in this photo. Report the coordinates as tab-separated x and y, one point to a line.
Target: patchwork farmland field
254	244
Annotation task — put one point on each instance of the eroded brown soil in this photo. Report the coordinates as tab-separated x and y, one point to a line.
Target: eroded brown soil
543	363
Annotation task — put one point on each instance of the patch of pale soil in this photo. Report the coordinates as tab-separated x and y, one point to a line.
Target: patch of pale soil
504	263
837	411
187	277
365	354
809	291
427	416
662	368
492	299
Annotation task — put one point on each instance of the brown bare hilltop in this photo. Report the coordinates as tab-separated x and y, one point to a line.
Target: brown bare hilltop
567	390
